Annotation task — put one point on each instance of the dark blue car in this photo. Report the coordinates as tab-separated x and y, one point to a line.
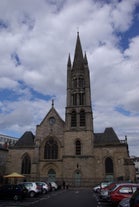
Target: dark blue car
11	191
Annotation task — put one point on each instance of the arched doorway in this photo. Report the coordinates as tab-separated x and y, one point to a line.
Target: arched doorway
77	178
51	175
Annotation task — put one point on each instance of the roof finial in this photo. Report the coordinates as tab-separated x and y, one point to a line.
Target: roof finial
52	102
77	31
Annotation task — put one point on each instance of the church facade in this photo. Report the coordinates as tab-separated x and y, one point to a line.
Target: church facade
70	150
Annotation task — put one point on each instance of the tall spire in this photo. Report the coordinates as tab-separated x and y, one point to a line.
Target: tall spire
78	62
85	59
79	114
69	62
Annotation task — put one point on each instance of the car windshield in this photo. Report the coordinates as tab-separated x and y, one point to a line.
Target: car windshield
39	183
113	188
22	186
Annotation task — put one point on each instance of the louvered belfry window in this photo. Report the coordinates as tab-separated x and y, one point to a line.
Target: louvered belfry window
82	118
73	119
81	98
74	99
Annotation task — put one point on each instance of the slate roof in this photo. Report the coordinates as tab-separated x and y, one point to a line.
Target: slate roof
26	140
108	137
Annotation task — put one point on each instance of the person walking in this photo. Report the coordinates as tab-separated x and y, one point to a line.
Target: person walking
64	184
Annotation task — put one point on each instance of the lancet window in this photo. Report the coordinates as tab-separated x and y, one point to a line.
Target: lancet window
51	149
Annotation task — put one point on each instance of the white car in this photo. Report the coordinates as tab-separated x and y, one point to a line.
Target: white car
96	188
54	186
44	186
100	186
32	188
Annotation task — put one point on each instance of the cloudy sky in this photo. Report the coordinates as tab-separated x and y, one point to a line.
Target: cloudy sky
36	37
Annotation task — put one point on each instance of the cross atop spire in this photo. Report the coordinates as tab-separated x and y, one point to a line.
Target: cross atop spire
52	102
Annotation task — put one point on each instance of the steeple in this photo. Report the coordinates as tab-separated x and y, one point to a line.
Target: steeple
78	63
85	59
79	114
69	62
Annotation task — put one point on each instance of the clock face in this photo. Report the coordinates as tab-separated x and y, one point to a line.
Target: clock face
52	120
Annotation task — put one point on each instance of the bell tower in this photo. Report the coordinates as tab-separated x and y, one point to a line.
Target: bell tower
78	151
79	115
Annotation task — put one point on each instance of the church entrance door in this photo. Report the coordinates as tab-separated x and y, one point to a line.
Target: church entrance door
51	175
77	178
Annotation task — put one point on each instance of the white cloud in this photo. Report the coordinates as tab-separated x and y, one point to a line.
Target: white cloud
42	33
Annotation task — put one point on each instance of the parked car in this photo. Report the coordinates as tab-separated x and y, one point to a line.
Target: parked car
54	186
100	186
11	191
32	187
49	185
126	203
96	188
104	192
44	186
121	191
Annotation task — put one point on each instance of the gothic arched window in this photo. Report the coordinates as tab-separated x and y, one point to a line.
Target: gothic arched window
108	166
51	149
81	82
26	164
74	83
78	147
81	98
73	119
82	118
74	99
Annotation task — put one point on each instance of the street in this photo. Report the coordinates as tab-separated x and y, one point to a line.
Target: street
62	198
77	198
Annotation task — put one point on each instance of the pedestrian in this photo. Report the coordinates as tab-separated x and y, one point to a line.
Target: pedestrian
64	184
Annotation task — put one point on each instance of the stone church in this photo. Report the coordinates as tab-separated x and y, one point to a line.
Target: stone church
69	150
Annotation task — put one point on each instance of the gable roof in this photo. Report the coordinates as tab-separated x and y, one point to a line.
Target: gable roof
52	112
108	137
26	140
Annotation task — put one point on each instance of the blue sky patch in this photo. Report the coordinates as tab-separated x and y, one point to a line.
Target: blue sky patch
8	95
132	32
40	95
121	110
